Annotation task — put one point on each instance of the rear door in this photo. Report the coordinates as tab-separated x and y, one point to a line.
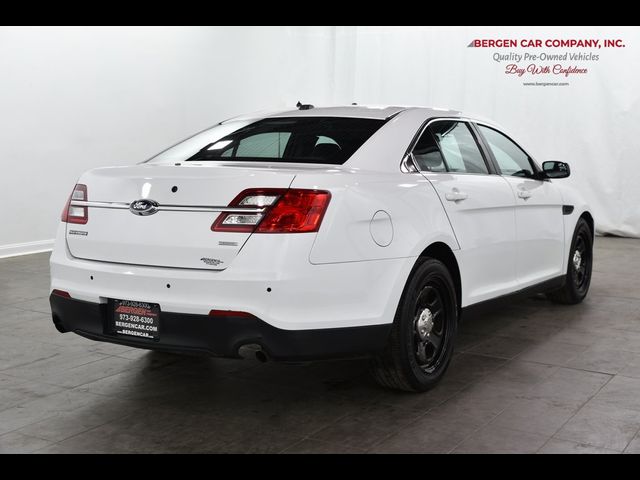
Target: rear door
539	223
479	204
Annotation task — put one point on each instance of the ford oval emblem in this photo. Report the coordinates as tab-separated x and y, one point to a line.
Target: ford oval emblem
143	207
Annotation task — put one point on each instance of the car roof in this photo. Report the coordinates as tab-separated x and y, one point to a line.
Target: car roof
347	111
379	112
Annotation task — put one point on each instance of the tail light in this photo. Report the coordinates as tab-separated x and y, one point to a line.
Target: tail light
283	211
74	213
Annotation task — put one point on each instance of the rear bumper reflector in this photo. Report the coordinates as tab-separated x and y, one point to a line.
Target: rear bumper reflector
61	293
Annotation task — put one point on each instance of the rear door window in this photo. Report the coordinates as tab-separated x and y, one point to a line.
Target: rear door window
449	146
459	147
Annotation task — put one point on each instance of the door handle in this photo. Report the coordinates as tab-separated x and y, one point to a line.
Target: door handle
456	196
524	194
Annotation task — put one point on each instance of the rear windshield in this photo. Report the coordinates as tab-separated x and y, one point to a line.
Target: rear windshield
327	140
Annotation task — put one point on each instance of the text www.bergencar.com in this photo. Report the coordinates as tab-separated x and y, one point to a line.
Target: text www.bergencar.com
545	84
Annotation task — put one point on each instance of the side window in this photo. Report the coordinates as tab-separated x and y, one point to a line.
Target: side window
459	147
427	154
511	159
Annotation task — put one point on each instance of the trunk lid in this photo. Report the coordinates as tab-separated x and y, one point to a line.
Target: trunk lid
181	238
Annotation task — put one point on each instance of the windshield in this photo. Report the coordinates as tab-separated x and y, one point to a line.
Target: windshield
323	140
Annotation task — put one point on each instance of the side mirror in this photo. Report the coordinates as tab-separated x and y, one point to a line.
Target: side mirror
555	169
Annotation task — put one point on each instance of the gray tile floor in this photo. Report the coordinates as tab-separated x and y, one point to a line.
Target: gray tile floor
529	376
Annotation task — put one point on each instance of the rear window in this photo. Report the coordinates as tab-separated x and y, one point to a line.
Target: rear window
327	140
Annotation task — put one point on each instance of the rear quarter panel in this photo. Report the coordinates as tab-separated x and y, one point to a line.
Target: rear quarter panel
376	216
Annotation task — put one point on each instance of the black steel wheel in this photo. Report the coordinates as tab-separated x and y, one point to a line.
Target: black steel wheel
430	328
422	336
580	263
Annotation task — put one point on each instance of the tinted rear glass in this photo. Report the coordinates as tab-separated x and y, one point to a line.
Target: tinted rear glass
327	140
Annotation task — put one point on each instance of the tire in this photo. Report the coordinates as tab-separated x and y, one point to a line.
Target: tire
427	315
578	277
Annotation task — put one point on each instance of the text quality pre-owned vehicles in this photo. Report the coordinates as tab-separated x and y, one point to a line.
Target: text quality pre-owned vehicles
319	233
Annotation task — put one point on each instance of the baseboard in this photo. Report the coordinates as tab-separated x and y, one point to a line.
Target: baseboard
15	249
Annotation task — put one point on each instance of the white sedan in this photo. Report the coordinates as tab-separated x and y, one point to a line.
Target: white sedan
319	233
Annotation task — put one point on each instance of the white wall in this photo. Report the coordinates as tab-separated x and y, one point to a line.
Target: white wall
76	98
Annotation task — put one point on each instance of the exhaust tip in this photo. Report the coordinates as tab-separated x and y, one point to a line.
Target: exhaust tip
253	350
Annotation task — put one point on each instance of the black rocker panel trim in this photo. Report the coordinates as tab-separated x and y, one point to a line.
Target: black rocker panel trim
543	287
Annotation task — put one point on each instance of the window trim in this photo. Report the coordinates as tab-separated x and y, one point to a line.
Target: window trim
491	170
536	168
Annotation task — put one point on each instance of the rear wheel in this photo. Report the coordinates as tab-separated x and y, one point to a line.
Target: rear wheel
423	332
578	276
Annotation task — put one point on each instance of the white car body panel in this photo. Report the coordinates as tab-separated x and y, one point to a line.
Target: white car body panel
380	216
485	228
539	223
267	261
351	272
170	239
570	196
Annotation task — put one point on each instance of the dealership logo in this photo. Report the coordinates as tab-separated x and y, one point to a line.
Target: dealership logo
542	62
143	207
587	43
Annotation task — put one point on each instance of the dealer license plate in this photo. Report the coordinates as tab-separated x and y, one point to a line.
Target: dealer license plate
136	319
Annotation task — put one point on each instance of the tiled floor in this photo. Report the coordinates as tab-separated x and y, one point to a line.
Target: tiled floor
529	376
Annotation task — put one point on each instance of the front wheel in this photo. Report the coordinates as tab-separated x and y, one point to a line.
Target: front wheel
578	277
423	332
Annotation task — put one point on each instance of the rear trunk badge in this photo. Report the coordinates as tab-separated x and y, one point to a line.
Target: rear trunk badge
143	207
214	262
228	244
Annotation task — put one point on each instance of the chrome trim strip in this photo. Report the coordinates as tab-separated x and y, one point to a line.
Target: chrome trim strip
198	208
117	205
171	208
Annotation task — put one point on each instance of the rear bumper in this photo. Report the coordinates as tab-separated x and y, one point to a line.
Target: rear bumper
221	336
271	279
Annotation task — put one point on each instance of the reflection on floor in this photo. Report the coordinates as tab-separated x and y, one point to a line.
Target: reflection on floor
528	376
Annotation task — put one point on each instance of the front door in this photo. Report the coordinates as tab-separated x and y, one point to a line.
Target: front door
539	223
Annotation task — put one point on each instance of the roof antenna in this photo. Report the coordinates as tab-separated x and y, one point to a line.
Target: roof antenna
302	106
